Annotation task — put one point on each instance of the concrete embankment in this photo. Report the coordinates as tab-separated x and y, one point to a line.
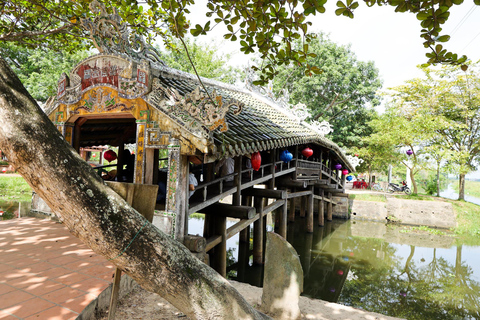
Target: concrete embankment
436	214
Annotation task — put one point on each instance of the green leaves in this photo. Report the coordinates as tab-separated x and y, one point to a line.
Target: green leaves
264	26
346	9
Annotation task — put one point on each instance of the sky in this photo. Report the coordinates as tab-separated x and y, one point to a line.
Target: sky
392	40
379	34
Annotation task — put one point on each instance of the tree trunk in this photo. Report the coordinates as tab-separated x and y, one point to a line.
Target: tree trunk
370	176
103	220
438	179
461	187
414	183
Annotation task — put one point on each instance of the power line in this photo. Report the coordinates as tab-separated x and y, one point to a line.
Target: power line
478	34
465	17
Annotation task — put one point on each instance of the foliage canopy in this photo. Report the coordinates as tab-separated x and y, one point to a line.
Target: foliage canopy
268	27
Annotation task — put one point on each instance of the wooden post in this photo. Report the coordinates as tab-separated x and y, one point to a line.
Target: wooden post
208	224
321	210
243	256
258	233
303	201
282	228
149	165
145	205
291	214
220	257
309	200
330	208
238	181
273	157
245	235
182	198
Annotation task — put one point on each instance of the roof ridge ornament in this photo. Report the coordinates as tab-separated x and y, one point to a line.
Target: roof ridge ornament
195	111
110	35
354	161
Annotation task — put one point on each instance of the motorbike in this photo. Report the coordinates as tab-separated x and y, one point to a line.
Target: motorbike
392	187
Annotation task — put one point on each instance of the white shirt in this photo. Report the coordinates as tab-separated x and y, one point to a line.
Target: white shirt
192	180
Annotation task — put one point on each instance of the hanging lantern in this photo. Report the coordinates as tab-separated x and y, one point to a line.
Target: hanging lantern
110	155
286	156
94	155
409	152
256	160
349	178
307	152
344	172
338	166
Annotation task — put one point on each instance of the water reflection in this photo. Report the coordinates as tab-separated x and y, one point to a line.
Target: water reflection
380	268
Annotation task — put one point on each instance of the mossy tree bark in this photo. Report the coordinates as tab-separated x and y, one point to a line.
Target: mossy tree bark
102	219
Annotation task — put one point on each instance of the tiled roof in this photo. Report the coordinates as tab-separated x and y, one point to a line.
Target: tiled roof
262	125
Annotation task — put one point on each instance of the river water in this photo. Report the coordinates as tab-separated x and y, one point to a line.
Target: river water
450	193
378	267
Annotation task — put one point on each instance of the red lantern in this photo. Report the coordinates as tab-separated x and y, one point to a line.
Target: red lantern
307	152
345	172
94	155
356	154
256	160
110	155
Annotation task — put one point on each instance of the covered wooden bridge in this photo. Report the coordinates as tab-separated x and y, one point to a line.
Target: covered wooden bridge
120	98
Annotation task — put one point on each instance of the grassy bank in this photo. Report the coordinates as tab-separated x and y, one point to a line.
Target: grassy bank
472	188
468	218
14	188
368	197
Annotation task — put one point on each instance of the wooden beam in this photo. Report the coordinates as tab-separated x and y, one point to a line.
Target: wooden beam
195	207
212	242
292	183
257	181
328	186
320	182
298	194
228	210
273	206
324	199
333	190
265	193
240	226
